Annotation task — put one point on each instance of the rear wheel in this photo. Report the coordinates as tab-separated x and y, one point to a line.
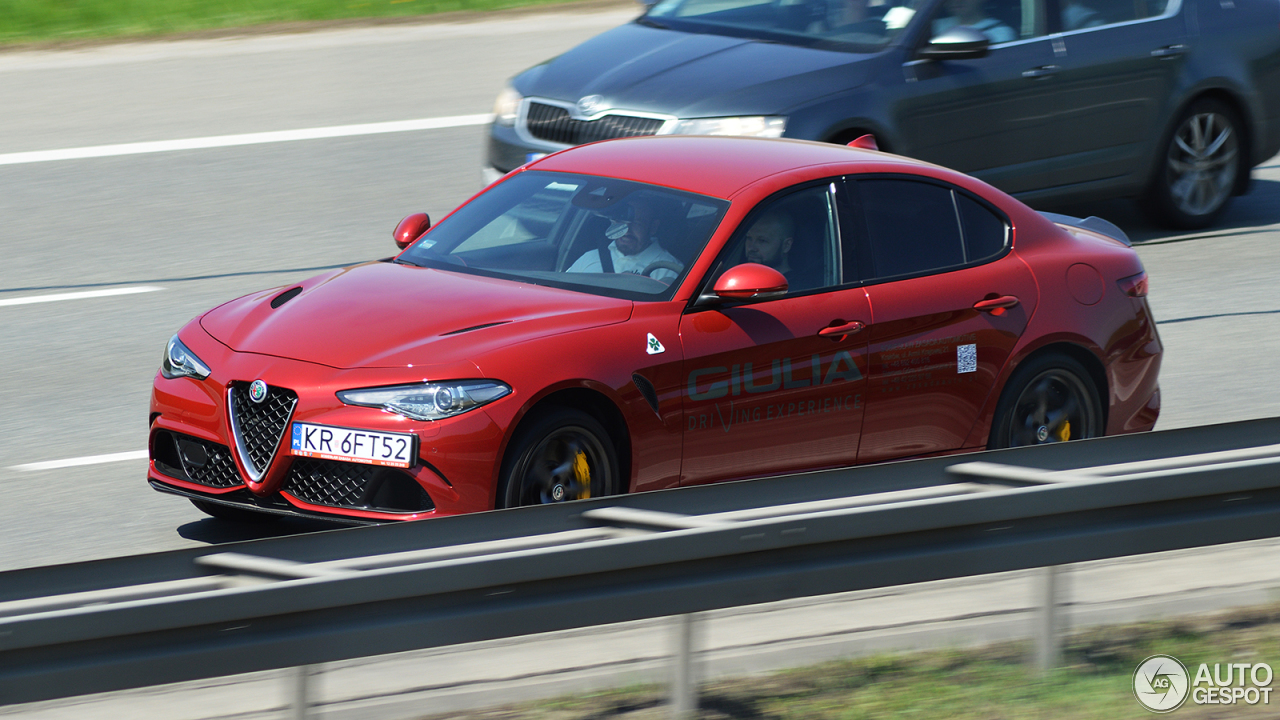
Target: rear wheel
1199	169
233	514
1049	399
559	455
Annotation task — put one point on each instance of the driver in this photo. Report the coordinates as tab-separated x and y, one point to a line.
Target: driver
769	240
632	224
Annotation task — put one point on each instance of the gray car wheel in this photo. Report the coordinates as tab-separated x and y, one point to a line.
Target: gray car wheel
1200	167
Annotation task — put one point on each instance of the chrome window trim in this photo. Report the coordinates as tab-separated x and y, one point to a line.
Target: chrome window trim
1175	6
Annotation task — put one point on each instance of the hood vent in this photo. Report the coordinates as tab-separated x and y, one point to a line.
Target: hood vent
285	297
474	327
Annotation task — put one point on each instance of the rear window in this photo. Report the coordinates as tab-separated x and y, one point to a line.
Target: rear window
914	228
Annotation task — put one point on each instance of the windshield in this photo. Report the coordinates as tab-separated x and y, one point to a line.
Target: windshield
851	25
580	232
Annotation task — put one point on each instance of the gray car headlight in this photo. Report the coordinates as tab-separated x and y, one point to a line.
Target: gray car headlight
752	126
430	400
179	361
507	106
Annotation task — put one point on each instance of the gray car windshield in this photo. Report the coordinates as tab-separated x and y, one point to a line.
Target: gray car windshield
580	232
854	25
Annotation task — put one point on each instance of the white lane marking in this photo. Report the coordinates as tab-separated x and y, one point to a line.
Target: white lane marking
31	299
87	460
437	123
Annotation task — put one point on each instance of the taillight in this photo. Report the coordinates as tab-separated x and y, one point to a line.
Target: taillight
1134	285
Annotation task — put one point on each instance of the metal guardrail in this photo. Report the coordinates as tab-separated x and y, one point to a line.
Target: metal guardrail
287	602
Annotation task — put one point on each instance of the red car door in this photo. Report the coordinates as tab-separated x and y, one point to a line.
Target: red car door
948	304
778	385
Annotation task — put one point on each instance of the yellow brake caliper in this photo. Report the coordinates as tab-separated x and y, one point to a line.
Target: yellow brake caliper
1065	433
582	473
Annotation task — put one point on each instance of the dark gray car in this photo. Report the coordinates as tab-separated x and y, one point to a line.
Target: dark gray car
1169	101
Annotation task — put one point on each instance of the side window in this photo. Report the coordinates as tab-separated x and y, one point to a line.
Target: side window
1000	20
794	234
1082	14
984	232
908	227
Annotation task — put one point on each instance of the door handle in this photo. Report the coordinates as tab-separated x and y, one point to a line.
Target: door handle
1001	303
842	329
1169	52
1039	72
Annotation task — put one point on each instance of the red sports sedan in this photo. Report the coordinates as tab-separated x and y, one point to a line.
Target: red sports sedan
657	312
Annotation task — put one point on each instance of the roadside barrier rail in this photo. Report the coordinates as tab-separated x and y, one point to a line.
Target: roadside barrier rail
304	600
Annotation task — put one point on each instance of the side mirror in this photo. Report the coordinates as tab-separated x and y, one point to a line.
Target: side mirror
750	281
410	229
958	43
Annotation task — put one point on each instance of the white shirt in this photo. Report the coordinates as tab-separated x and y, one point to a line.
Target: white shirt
590	262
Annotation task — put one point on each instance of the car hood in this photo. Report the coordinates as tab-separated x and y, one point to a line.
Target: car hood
388	315
634	67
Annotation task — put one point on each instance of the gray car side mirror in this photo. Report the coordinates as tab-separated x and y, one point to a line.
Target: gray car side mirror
958	43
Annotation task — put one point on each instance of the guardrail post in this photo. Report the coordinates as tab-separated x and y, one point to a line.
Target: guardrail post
684	670
1049	619
300	685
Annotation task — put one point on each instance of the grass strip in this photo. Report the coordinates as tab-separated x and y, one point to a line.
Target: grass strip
24	22
989	683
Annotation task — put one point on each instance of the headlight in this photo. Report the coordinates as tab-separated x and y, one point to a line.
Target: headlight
756	126
179	361
428	401
507	106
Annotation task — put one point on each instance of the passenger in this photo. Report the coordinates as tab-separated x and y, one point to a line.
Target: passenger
970	14
634	247
1076	16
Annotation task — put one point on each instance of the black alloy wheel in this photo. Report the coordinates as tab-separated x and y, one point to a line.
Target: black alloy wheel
1200	168
1050	399
559	455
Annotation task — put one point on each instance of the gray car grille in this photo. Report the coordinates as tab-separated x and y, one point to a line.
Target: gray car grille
353	485
258	427
553	124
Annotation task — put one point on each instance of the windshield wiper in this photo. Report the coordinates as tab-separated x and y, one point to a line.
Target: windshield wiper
646	21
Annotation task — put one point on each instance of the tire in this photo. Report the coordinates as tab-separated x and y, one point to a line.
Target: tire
1049	399
1199	167
231	514
560	454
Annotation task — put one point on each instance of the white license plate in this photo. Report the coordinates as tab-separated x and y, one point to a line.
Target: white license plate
349	445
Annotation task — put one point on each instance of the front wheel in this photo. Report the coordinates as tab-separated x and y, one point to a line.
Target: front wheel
1049	399
1199	168
559	455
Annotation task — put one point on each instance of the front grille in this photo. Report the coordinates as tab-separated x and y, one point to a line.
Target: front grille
353	485
258	427
194	459
553	124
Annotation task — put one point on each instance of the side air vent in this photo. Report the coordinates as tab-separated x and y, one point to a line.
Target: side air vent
285	297
649	392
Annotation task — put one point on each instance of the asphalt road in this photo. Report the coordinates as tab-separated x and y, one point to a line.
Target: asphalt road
206	225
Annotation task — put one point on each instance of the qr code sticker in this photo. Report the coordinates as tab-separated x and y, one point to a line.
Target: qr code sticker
966	358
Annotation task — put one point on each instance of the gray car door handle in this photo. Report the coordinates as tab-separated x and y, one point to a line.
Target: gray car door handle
1169	51
1039	72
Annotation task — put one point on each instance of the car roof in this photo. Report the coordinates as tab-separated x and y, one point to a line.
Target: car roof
717	166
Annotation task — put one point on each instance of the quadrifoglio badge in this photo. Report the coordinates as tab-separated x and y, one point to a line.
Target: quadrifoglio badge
1161	683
